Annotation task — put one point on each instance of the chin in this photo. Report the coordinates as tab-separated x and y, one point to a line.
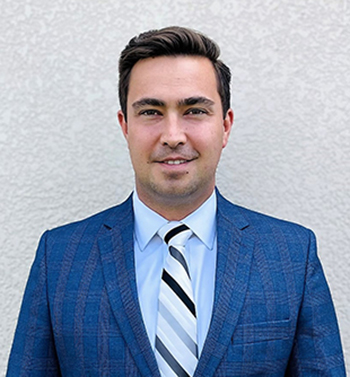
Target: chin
171	191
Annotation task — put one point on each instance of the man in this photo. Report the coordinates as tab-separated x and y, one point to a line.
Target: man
241	294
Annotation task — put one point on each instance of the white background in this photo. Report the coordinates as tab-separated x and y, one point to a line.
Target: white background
63	157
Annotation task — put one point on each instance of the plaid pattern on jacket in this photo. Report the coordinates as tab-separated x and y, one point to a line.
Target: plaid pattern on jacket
272	316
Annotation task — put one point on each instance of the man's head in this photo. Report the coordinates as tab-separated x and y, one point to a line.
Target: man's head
176	126
172	41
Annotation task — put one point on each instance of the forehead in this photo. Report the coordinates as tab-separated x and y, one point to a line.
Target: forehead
173	77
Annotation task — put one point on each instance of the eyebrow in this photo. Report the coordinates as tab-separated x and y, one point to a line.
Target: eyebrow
148	102
196	101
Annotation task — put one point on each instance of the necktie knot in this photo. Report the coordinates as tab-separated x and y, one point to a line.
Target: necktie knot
175	233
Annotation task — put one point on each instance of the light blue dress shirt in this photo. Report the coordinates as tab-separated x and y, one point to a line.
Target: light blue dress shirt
151	251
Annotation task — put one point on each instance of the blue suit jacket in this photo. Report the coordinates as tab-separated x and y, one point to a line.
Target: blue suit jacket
272	316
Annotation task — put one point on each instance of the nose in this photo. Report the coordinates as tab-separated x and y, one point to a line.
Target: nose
173	133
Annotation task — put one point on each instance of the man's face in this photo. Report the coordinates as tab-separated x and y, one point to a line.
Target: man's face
175	128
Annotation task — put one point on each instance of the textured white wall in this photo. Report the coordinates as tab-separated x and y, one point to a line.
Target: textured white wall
62	156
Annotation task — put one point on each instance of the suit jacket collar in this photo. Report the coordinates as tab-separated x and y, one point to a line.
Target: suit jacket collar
234	255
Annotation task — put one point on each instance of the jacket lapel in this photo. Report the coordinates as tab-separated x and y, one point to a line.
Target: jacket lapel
234	257
117	253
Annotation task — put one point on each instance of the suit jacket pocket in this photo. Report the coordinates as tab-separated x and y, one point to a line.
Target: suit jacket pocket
262	331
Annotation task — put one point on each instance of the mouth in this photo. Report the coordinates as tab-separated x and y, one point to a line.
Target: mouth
175	162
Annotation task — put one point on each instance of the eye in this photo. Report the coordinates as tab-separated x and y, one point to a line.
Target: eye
149	112
196	111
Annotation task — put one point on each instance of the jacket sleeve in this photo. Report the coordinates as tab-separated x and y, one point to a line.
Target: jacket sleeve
317	348
33	350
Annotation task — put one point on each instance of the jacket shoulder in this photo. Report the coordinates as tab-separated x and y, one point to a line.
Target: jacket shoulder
93	225
259	222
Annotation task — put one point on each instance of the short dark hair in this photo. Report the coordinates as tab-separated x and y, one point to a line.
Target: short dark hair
172	41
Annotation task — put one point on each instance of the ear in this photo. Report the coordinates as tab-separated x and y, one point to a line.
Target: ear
228	122
123	124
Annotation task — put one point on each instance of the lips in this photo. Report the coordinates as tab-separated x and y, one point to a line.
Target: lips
175	162
174	159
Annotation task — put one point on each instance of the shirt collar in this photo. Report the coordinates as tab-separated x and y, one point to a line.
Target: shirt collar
202	221
147	222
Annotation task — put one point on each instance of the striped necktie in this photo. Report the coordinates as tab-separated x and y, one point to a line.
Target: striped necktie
176	339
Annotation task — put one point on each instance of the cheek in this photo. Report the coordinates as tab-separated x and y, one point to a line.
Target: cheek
142	137
211	142
140	147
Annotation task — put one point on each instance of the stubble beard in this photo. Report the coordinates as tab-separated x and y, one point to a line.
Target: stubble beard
174	193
